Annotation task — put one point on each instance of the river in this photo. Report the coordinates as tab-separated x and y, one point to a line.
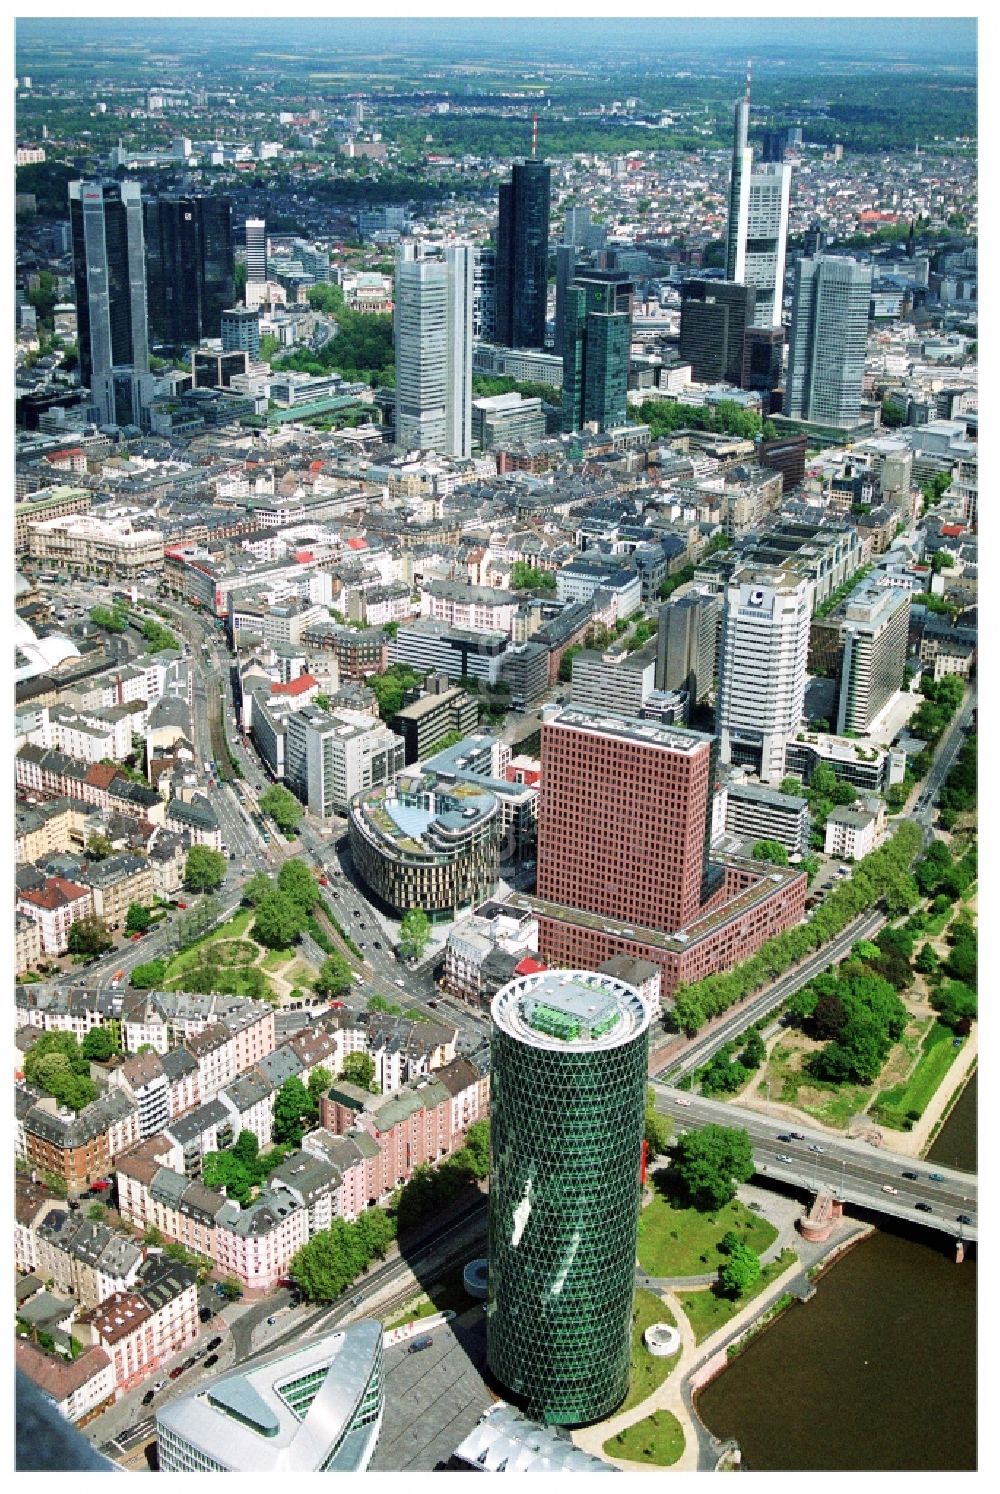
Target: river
878	1370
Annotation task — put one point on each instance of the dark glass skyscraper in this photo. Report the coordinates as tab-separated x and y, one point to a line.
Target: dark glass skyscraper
189	266
109	269
596	338
567	1097
523	256
714	317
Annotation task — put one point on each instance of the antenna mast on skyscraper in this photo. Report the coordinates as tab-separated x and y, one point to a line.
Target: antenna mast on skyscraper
534	135
749	65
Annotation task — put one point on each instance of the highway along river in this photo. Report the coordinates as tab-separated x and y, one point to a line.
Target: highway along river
878	1370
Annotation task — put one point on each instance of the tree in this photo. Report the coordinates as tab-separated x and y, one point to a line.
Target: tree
710	1163
89	936
296	881
477	1144
375	1231
770	850
329	1262
99	848
259	886
96	1213
283	807
955	1003
226	1170
279	921
294	1111
358	1068
246	1148
656	1133
334	978
829	1017
204	869
138	919
740	1271
231	1289
319	1082
414	932
927	960
99	1044
148	976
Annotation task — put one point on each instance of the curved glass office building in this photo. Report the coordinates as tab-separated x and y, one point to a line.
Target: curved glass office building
567	1104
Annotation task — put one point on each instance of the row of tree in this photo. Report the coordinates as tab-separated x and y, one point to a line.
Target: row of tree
883	876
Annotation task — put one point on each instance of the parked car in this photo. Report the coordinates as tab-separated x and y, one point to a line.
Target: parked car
212	1359
147	1399
214	1343
419	1344
174	1373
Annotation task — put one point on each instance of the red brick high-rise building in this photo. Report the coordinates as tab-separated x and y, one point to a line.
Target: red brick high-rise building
624	828
621	818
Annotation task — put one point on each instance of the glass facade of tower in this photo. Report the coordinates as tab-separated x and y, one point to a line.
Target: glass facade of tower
568	1085
522	273
596	338
189	266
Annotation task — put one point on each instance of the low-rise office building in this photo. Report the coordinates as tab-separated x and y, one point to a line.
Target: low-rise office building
427	843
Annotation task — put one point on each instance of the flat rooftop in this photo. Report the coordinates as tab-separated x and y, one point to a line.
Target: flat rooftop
570	1010
643	733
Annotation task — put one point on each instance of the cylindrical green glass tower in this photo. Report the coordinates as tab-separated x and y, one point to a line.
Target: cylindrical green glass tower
567	1104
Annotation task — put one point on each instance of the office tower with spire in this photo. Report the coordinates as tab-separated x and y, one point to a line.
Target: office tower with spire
757	225
597	337
189	267
762	666
826	348
523	255
109	270
433	327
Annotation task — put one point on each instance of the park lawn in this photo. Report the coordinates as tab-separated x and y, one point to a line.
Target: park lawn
679	1241
449	1293
275	958
300	973
658	1439
646	1371
706	1311
833	1105
900	1105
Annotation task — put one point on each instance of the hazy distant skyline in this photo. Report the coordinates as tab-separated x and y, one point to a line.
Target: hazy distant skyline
916	37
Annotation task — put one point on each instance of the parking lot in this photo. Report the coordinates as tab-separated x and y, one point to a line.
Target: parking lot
435	1398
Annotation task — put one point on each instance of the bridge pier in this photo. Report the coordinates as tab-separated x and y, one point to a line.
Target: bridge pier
959	1252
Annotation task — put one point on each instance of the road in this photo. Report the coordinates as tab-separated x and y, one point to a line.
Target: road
853	1171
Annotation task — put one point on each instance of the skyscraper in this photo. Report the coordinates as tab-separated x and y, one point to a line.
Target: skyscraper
567	1096
109	269
484	296
621	820
566	262
523	256
874	634
757	224
256	241
433	326
714	317
762	666
241	331
597	337
826	348
687	636
189	266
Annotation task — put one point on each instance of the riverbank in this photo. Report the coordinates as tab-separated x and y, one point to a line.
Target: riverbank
699	1363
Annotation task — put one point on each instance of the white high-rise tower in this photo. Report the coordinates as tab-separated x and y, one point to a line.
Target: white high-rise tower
762	666
435	292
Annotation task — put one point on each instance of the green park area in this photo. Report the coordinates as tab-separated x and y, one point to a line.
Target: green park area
902	1104
677	1239
712	1308
647	1372
657	1439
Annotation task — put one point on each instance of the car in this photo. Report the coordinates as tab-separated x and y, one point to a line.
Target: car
205	1314
419	1344
432	1003
796	1135
133	937
211	1360
376	944
401	984
176	1373
924	1208
214	1343
785	1136
159	1384
182	906
270	1322
147	1399
964	1218
784	1157
189	1363
683	1101
910	1177
888	1188
814	1148
936	1177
